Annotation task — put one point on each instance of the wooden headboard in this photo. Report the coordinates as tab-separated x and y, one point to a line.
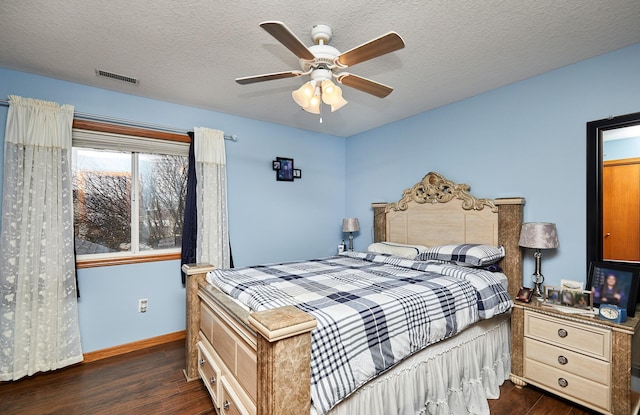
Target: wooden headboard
437	211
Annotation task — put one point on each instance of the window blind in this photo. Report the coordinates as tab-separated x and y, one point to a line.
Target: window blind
121	142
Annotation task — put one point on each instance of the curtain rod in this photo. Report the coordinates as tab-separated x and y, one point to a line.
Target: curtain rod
128	123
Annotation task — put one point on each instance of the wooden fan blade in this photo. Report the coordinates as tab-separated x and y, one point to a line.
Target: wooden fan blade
283	35
365	85
372	49
267	77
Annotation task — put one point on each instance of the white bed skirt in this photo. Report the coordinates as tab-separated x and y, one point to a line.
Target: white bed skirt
455	376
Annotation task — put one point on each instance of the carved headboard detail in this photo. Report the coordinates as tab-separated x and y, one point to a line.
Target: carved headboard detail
434	188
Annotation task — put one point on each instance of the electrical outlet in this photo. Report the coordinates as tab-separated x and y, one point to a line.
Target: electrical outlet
142	305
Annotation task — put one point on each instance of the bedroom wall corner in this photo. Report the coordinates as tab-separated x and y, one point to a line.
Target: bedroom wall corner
527	139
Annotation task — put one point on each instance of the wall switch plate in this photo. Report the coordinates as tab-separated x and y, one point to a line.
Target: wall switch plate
142	305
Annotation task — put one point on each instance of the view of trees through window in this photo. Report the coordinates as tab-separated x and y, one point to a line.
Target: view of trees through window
109	186
164	181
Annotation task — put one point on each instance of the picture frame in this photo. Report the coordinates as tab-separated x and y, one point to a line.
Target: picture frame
524	294
284	172
297	173
614	283
275	165
572	298
552	295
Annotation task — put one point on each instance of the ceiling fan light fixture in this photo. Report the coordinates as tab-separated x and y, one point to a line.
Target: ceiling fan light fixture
302	96
311	95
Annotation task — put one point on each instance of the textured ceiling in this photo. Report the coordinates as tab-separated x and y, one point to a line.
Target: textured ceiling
190	52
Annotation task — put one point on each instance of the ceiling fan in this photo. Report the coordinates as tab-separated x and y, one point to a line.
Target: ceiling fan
323	63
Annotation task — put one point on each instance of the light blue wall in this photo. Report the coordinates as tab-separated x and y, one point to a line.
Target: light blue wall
526	139
269	221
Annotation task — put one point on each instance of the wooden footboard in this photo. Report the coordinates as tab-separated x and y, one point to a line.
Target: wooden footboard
241	357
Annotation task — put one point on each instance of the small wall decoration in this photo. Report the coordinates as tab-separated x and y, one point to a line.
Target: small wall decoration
285	172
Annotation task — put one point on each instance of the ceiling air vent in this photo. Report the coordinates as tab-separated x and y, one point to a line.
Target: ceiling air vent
118	77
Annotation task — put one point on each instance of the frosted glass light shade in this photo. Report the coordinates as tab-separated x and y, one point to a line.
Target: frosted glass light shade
339	104
302	96
331	93
314	105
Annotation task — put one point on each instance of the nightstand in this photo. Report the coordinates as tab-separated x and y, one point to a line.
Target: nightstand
580	358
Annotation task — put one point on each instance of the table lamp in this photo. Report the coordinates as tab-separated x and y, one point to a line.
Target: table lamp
350	225
538	235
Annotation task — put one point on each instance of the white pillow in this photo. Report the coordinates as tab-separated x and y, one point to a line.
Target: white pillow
396	249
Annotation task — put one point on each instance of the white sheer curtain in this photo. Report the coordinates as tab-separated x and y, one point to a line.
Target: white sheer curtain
38	303
211	192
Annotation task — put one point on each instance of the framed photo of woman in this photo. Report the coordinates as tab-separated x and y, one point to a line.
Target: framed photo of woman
614	284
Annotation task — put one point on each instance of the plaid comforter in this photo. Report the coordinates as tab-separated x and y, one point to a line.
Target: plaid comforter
373	310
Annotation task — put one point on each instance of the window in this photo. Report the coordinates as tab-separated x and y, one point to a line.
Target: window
128	194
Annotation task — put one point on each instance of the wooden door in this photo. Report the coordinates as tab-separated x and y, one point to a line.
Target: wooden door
621	210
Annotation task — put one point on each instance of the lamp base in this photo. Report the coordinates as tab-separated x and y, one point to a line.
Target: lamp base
537	277
538	292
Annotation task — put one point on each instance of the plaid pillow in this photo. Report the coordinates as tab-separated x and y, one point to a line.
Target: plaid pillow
464	254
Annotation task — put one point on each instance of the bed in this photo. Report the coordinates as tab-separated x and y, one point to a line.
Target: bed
251	332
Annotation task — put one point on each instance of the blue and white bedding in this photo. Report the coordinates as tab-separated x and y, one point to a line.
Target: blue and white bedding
373	310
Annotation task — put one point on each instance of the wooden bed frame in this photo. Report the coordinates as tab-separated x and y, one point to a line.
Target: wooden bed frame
259	363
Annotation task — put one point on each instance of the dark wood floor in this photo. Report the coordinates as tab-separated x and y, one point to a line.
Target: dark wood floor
150	381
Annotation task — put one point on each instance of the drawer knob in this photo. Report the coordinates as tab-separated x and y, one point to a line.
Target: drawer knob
563	382
562	333
212	380
562	360
226	405
201	362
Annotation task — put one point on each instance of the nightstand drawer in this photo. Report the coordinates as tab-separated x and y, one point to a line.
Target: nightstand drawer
568	385
582	338
568	361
